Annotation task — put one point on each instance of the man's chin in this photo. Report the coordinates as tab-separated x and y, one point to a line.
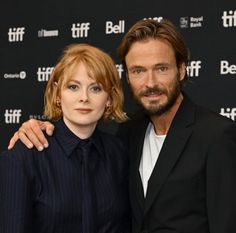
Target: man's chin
152	110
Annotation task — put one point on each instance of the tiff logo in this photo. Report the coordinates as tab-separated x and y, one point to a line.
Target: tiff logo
229	112
16	34
226	68
80	30
115	28
120	69
229	19
44	73
12	116
193	68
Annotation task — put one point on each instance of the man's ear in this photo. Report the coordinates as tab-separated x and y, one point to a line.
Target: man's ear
182	71
127	77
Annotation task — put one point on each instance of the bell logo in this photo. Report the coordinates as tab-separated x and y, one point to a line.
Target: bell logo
111	28
225	68
12	116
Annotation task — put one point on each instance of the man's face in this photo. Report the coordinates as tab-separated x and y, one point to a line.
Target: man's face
153	75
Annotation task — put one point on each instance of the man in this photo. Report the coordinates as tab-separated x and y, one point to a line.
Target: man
182	156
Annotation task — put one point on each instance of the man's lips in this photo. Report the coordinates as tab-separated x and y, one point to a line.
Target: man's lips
152	94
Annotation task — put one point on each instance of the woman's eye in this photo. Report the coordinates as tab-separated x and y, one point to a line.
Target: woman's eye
73	87
96	89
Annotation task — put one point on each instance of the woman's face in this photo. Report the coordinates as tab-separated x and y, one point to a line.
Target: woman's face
83	101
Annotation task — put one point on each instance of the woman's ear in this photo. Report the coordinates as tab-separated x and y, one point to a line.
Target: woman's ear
58	99
55	84
108	103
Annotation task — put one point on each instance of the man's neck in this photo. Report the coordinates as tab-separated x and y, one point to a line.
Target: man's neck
162	123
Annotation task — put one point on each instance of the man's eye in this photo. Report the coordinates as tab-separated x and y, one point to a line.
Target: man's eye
136	71
163	68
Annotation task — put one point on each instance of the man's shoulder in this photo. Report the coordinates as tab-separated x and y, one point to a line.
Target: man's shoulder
212	117
205	116
213	125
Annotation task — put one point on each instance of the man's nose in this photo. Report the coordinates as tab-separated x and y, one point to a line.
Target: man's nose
150	79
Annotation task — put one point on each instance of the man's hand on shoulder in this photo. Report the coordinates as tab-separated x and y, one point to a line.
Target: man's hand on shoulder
31	134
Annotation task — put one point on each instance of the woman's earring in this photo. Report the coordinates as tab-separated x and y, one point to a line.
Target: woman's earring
58	103
108	107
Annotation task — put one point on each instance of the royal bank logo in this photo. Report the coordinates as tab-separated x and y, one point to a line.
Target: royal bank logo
228	112
120	69
44	73
158	19
118	27
191	22
12	116
20	75
48	33
80	30
229	18
184	22
193	69
16	34
227	68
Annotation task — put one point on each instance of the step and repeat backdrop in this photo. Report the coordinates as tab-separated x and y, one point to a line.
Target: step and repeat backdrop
33	35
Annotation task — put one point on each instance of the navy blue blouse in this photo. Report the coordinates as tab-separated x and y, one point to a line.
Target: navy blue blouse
41	191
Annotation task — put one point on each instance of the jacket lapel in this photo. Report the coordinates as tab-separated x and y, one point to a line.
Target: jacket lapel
179	132
136	148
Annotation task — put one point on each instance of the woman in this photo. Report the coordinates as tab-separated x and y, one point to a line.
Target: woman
79	183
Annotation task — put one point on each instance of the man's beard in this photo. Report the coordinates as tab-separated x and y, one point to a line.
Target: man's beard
154	107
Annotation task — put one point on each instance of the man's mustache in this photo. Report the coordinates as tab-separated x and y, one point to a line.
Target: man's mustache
152	91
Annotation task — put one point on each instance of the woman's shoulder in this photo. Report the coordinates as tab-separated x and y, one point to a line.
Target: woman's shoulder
19	159
21	155
18	152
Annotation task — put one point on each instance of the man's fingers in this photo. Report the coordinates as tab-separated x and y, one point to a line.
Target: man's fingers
22	136
48	127
30	138
31	134
32	130
14	139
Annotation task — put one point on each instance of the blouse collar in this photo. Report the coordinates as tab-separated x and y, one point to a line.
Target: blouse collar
69	141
